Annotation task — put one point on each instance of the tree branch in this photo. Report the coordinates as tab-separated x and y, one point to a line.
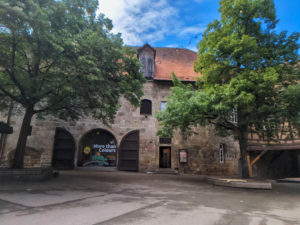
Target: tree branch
12	73
10	95
53	62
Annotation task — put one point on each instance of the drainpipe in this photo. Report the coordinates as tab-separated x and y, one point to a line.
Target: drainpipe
4	136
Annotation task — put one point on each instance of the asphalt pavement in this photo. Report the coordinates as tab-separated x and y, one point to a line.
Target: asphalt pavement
121	198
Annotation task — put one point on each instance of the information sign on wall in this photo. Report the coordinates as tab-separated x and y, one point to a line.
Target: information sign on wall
182	156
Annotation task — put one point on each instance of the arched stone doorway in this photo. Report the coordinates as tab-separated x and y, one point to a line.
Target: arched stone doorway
63	150
98	148
129	152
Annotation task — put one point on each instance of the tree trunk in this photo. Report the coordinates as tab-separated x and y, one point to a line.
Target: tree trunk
3	138
21	145
243	141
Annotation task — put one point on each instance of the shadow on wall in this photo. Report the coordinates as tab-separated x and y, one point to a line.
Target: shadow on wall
32	157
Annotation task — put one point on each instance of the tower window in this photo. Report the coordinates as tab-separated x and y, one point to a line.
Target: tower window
147	66
146	107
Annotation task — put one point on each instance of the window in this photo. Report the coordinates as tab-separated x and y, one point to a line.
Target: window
221	152
146	107
147	68
164	140
234	116
163	105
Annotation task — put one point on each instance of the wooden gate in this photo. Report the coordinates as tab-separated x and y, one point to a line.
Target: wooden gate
129	152
64	150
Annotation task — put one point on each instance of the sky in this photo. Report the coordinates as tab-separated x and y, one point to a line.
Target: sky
178	23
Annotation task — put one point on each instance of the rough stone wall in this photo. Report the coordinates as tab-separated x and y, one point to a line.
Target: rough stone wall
203	148
203	153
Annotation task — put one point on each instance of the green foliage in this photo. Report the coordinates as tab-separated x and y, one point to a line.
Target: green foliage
244	65
59	58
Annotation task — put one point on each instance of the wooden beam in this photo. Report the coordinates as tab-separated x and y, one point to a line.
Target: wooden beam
283	147
258	157
250	164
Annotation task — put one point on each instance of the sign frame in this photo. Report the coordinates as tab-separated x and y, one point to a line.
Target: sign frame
183	156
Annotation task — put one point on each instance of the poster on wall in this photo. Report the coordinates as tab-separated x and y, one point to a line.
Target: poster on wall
99	149
182	156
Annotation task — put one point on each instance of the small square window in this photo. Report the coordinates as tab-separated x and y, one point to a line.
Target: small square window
163	105
165	140
146	107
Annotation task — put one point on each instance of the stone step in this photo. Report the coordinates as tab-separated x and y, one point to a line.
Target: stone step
97	168
165	171
240	183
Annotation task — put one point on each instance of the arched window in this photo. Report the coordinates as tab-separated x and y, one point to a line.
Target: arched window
146	107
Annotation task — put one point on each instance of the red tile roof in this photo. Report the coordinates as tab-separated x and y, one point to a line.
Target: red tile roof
177	60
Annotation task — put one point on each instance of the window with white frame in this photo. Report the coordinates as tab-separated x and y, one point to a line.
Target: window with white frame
234	116
221	152
163	105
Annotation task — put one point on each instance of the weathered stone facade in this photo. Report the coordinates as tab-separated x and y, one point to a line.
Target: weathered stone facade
203	155
202	149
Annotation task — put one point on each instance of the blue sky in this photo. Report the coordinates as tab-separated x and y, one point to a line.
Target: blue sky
178	23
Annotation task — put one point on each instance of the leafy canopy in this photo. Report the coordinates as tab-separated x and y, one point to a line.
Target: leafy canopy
245	65
57	57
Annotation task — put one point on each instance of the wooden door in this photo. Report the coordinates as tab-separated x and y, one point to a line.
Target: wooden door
165	157
64	150
129	152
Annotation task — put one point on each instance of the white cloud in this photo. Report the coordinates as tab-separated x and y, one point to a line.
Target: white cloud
140	21
194	30
192	48
172	46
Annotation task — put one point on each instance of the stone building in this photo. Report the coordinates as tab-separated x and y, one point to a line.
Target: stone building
130	143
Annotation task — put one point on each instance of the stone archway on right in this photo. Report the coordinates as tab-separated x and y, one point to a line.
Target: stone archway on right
129	152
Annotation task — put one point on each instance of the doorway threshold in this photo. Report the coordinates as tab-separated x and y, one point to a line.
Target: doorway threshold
166	171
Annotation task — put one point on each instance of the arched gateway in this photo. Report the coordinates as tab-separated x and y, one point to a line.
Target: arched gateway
129	152
98	148
64	149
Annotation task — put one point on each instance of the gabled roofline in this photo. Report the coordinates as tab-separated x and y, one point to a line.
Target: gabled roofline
146	46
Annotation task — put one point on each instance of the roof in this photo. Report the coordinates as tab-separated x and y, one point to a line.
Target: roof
177	60
5	129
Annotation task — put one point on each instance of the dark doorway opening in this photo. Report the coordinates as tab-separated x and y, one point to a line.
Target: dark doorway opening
129	152
164	157
277	164
64	150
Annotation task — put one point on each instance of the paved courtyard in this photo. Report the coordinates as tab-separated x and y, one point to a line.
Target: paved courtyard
113	198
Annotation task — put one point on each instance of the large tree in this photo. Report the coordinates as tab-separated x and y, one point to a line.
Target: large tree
58	57
246	67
